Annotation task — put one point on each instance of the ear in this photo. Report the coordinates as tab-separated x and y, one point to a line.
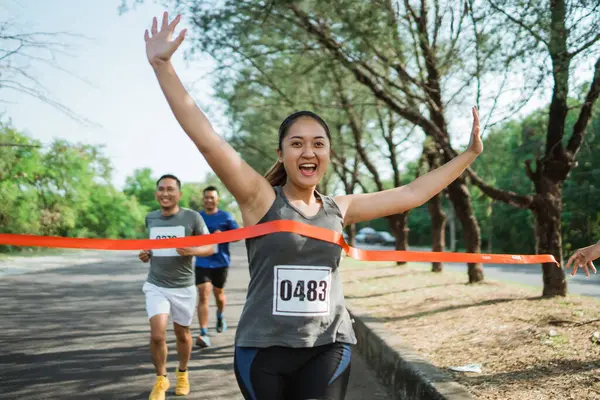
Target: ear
279	156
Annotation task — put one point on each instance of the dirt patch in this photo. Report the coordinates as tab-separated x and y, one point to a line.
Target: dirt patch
530	348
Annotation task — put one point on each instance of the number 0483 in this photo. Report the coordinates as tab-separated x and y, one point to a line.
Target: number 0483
301	290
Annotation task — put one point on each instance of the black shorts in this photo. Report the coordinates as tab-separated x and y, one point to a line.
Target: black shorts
218	276
286	373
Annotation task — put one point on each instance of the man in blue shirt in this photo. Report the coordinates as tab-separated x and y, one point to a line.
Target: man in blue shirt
212	271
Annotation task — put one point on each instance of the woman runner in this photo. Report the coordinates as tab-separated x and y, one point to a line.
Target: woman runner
294	336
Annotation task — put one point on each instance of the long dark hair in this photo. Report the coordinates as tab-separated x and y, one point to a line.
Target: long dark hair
276	175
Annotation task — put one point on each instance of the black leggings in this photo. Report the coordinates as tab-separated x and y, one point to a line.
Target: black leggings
285	373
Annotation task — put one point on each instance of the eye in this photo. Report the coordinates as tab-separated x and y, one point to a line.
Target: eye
319	144
296	144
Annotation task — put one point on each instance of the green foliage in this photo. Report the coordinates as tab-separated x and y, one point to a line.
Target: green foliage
111	214
503	165
142	186
581	213
192	196
63	189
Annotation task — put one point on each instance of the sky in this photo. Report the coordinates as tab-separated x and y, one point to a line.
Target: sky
109	82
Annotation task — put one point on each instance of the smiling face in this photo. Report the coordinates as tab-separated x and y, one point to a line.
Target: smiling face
305	152
211	200
167	193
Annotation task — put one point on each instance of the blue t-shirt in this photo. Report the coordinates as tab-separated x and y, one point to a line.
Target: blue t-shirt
222	221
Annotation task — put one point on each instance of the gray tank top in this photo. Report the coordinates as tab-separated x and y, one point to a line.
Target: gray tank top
295	296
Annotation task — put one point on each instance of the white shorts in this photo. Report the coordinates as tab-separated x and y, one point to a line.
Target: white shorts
179	302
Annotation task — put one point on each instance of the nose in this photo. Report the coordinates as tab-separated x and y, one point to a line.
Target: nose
308	152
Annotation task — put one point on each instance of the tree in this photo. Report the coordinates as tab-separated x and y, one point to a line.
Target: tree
20	51
566	33
359	124
19	211
581	212
226	200
142	185
62	189
111	214
64	185
406	57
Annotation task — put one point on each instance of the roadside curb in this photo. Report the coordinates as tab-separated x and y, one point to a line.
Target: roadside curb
407	375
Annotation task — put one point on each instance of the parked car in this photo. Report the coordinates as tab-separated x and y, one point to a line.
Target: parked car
367	231
386	238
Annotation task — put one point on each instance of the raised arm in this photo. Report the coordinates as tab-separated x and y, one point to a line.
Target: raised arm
364	207
252	192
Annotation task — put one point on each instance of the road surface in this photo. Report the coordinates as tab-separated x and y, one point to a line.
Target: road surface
74	327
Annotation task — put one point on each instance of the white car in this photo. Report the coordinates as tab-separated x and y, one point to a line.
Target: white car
360	237
367	231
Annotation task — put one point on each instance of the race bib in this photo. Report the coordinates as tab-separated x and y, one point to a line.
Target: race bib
301	291
166	232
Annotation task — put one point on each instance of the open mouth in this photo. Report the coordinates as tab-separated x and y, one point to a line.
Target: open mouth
308	169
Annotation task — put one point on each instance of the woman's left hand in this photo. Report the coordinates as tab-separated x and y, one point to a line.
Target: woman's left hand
475	145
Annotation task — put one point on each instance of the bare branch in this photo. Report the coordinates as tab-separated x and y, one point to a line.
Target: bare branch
412	115
505	196
585	46
20	50
519	23
585	113
356	131
477	55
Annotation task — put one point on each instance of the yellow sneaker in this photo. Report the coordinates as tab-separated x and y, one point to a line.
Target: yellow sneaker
182	388
160	388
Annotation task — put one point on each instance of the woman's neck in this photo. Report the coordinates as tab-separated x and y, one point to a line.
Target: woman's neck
295	192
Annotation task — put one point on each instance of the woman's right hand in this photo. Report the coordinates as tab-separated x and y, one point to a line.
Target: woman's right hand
159	44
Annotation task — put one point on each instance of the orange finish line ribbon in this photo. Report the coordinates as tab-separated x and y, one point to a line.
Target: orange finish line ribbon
265	229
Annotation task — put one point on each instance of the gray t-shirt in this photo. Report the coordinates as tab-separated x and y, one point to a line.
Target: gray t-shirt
167	268
295	296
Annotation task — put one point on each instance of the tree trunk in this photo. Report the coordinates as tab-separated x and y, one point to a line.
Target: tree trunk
351	231
399	225
547	209
452	228
438	228
436	213
490	247
463	209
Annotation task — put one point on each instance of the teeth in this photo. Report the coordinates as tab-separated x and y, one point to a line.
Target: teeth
308	166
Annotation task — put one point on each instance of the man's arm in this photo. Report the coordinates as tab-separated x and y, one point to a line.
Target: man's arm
200	228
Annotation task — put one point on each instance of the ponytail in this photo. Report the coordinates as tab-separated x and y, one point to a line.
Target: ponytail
276	175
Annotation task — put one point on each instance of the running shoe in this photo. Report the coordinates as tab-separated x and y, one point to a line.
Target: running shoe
221	325
182	388
160	388
203	341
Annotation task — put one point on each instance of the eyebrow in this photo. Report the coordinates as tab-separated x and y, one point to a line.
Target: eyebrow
300	137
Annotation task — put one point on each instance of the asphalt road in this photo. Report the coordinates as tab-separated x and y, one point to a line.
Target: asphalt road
74	327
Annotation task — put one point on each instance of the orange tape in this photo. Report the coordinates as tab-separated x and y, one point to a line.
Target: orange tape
264	229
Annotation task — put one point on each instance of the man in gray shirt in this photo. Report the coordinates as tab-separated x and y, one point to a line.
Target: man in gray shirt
170	286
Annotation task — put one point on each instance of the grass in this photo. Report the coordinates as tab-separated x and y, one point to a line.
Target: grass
530	347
